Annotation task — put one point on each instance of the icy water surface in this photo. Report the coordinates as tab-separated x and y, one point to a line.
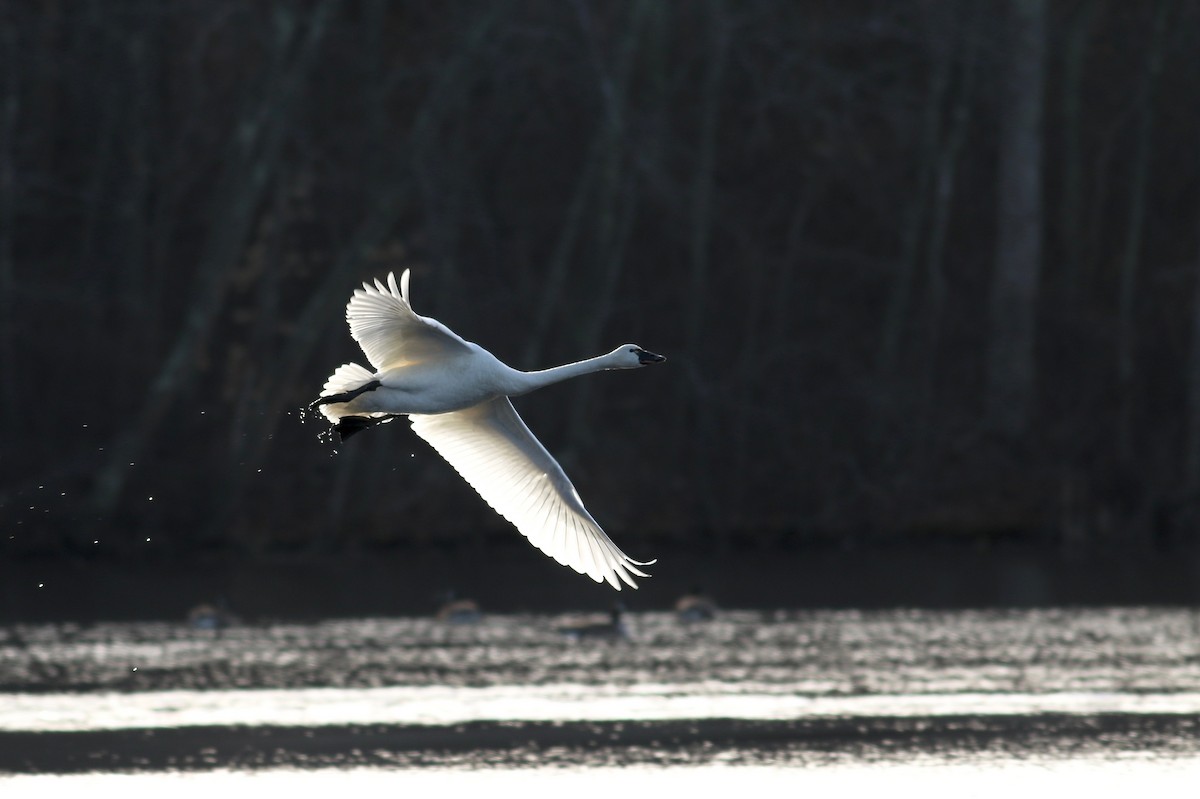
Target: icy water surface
835	699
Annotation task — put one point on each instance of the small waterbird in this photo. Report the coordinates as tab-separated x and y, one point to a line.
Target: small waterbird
695	606
456	395
612	628
211	616
458	610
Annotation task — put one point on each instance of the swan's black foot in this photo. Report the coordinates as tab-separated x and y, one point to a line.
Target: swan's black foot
349	425
345	396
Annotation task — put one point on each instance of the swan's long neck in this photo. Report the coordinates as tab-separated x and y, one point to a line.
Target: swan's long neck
524	382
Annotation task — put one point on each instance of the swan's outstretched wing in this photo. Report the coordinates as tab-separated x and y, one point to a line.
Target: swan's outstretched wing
494	451
391	334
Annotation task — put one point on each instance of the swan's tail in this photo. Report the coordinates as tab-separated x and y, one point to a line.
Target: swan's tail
345	378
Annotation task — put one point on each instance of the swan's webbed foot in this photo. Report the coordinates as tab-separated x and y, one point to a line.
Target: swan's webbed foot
345	396
349	425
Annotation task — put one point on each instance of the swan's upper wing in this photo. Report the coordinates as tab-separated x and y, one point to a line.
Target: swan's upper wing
391	333
494	451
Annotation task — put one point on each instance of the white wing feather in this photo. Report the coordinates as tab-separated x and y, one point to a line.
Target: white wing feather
495	452
391	334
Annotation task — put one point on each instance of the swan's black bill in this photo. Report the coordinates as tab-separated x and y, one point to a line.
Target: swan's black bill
645	357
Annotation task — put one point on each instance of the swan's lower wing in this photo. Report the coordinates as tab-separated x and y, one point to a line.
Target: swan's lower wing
494	451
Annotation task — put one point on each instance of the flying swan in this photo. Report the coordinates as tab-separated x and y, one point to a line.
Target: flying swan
456	394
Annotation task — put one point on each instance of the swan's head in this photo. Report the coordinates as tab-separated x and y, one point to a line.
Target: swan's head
631	356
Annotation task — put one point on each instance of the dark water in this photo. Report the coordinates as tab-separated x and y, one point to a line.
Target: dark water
1078	692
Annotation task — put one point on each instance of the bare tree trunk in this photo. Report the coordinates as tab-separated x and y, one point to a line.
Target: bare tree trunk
254	151
9	108
1192	455
1072	232
615	211
134	303
702	187
699	397
105	169
1014	293
759	353
915	212
945	170
1131	256
705	174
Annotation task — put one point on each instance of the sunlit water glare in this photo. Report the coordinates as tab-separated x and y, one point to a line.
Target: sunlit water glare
996	780
816	700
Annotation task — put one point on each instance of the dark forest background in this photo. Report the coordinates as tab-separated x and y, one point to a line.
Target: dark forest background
922	270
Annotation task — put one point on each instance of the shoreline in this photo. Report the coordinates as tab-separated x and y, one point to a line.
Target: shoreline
513	577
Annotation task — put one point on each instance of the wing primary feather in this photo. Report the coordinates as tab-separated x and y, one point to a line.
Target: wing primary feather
581	554
597	567
571	546
542	522
554	539
561	522
597	558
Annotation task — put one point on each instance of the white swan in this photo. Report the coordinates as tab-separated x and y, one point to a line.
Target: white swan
456	394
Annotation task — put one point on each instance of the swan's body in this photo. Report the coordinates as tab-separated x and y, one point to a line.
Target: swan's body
456	394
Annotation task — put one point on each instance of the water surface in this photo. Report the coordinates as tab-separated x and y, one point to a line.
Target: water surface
830	698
